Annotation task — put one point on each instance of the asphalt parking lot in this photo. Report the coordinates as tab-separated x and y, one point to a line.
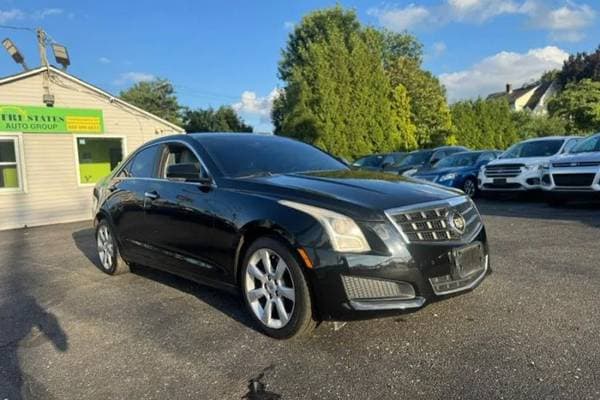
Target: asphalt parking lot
68	331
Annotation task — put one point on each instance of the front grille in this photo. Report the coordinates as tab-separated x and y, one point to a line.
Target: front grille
503	170
576	164
433	223
369	288
573	180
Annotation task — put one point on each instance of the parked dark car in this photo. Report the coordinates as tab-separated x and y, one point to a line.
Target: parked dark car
426	159
459	170
387	162
299	234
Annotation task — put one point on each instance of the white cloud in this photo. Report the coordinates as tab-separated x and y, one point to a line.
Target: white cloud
47	12
564	20
104	60
133	77
400	19
251	104
492	73
10	15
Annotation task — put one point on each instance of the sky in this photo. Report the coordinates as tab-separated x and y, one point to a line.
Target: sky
226	52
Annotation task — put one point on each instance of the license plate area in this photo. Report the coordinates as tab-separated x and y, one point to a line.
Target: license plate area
468	260
500	181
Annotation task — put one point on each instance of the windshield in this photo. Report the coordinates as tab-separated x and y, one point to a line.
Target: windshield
370	161
588	145
538	148
459	160
416	158
251	154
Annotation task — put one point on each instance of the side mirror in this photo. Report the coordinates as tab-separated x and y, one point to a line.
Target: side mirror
186	172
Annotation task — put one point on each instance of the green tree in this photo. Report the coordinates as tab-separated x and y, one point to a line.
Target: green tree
429	109
579	105
336	93
580	66
399	45
484	124
401	119
531	125
157	97
224	119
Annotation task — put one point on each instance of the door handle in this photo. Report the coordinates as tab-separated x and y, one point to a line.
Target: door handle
151	195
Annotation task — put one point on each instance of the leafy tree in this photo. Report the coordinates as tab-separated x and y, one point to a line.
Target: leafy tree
224	119
157	97
401	119
531	125
396	45
429	109
581	66
337	95
484	124
579	105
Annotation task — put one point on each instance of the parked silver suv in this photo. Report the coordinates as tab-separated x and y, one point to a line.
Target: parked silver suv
520	167
574	175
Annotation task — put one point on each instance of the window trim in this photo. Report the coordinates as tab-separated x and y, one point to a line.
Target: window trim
96	136
17	138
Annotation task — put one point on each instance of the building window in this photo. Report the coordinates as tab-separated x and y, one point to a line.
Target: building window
10	169
97	157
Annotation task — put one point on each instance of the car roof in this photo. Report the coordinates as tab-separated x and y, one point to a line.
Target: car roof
551	138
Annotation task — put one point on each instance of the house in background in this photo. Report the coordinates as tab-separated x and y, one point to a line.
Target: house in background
532	97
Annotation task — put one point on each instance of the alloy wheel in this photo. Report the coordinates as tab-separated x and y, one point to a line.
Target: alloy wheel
469	188
269	288
106	247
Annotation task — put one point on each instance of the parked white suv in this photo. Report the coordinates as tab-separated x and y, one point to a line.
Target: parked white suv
520	167
576	174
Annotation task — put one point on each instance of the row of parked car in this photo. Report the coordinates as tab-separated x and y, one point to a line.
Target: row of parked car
564	167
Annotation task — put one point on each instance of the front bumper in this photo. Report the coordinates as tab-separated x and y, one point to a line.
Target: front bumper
428	269
576	180
526	180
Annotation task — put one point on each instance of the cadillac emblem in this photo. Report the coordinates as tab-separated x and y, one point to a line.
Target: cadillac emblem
457	222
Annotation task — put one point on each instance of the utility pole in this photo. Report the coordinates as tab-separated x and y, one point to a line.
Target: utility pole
48	97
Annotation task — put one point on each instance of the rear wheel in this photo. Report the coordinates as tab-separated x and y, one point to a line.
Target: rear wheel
108	250
276	291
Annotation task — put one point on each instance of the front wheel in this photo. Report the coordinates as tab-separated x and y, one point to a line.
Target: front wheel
108	250
276	291
470	187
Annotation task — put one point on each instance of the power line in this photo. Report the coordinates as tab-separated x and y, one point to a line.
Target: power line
17	28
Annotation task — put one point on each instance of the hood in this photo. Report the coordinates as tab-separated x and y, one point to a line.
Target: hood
357	193
524	160
577	157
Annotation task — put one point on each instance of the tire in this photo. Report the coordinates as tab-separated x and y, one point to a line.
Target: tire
277	297
470	187
108	250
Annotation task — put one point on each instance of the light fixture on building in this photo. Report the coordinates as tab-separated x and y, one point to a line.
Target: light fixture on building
14	53
61	55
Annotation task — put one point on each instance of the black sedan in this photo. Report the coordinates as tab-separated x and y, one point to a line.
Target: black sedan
303	237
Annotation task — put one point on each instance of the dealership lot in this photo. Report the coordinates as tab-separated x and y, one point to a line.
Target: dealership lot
529	331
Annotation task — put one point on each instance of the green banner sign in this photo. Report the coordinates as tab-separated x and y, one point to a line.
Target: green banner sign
29	119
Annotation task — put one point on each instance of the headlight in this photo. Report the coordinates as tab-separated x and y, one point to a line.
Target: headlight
410	172
448	177
343	232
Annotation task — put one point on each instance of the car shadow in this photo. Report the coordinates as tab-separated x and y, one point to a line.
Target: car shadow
229	304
